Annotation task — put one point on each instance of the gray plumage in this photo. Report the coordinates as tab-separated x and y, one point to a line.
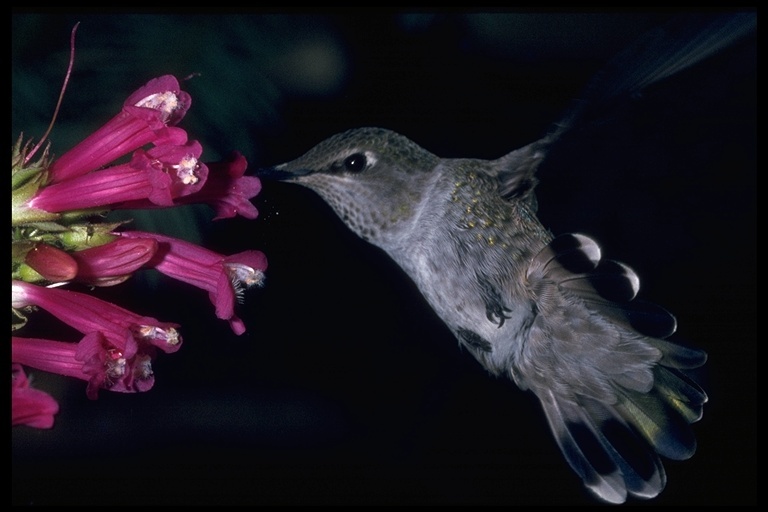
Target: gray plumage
548	312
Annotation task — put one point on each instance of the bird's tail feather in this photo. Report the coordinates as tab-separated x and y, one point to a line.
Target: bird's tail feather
593	439
616	414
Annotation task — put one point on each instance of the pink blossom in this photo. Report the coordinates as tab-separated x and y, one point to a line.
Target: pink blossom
93	359
156	175
113	262
147	116
182	164
226	190
30	406
223	277
56	200
123	329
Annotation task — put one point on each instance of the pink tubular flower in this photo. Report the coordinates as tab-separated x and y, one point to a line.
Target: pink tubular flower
226	190
157	175
147	116
113	262
182	164
30	406
123	329
138	159
94	359
223	277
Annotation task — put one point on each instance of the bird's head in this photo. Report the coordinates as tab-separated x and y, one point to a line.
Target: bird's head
374	179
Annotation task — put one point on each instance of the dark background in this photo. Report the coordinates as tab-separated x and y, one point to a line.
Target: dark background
346	389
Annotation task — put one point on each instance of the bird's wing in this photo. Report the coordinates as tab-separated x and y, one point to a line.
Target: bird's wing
662	52
682	42
609	383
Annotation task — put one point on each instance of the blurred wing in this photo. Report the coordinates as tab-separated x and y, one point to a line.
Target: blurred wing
664	51
681	43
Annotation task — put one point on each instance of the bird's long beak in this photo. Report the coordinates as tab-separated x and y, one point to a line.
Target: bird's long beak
281	172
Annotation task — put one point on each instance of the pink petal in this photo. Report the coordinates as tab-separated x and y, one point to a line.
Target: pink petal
30	406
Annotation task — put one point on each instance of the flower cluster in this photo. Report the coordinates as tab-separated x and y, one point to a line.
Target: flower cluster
62	246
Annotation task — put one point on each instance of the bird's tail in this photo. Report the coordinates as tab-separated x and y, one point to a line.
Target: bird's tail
622	400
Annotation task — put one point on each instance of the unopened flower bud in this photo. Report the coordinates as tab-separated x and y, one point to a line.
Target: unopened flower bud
53	264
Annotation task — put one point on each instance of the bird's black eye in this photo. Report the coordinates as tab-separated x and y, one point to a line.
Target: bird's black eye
356	162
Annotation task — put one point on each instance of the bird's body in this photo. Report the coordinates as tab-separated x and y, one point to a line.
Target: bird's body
494	238
548	312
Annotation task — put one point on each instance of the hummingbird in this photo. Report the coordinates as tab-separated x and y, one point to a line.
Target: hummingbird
547	311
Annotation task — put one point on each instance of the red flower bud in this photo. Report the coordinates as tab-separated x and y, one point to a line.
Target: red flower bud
51	263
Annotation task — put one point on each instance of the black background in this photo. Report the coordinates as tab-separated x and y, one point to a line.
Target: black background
346	389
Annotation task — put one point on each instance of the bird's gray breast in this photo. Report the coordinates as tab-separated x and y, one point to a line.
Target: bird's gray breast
468	258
